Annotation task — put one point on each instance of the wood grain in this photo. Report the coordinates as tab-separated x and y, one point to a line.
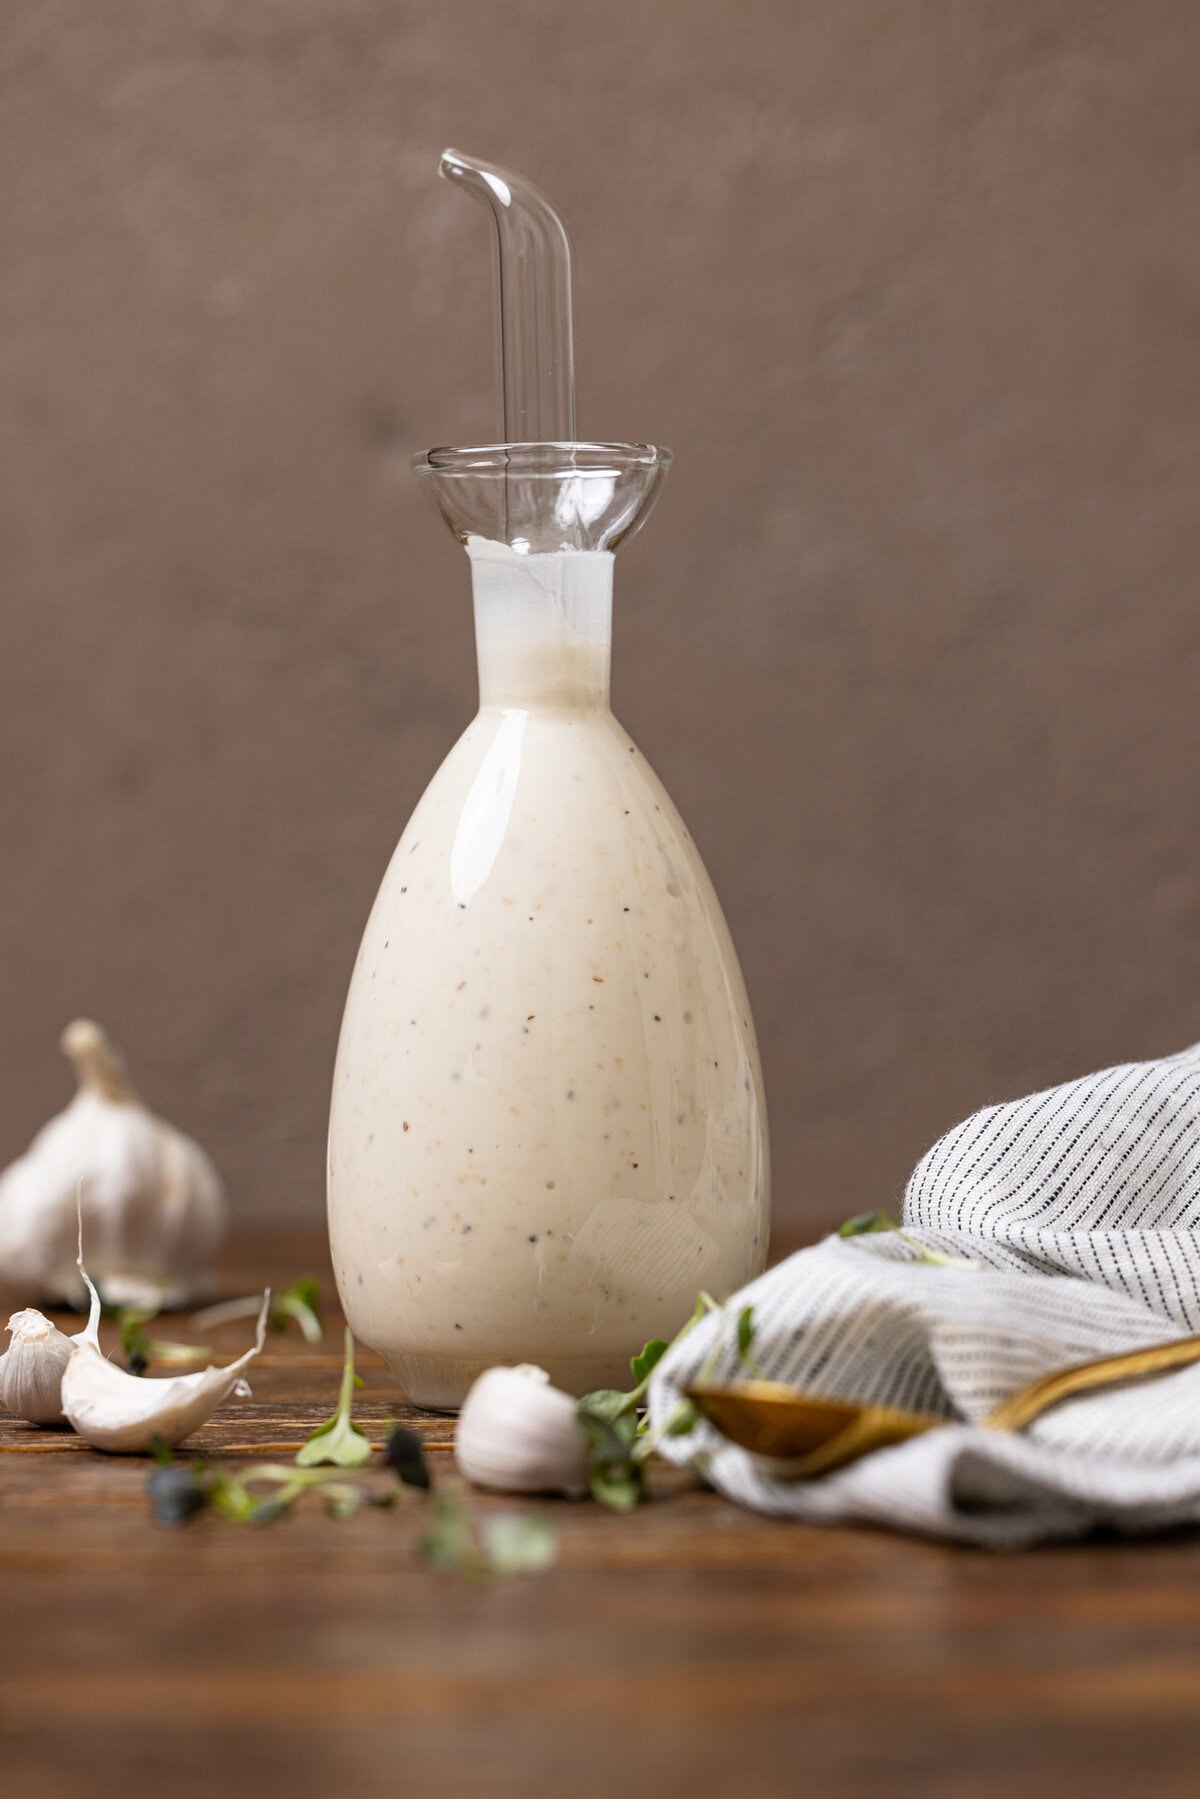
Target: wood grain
689	1649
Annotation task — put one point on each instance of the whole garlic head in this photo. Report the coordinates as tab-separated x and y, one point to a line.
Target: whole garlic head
519	1434
32	1367
153	1203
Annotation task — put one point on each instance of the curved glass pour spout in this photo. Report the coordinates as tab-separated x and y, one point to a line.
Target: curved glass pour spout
537	353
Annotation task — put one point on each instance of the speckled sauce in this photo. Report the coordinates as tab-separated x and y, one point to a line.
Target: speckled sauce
548	1129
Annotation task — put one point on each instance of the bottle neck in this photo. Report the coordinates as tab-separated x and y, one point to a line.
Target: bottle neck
543	626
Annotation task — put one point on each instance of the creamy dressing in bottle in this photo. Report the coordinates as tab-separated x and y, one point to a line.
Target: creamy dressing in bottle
548	1130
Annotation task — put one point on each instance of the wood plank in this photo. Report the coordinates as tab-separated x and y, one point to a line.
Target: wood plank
690	1648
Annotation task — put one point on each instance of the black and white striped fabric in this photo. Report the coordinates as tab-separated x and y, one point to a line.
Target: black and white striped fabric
1081	1208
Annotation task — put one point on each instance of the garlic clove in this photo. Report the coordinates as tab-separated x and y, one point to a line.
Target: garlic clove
518	1434
127	1414
31	1368
154	1203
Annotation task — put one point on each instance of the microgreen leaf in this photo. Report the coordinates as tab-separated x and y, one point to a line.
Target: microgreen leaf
404	1454
505	1542
301	1302
745	1330
868	1223
518	1543
614	1477
651	1355
683	1420
338	1440
140	1349
135	1342
865	1224
449	1543
604	1403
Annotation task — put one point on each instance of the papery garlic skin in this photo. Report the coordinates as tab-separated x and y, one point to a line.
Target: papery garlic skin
518	1434
153	1203
127	1414
32	1368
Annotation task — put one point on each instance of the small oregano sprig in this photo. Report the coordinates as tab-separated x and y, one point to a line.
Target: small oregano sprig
868	1224
339	1440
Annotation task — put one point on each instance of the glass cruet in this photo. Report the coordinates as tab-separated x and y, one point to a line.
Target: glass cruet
548	1129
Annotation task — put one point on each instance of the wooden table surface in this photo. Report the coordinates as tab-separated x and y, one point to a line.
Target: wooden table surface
689	1648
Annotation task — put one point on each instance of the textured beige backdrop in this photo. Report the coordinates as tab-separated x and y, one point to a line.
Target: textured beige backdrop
913	291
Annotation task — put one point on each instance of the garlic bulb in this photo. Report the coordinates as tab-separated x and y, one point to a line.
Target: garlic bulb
153	1202
125	1413
519	1434
31	1368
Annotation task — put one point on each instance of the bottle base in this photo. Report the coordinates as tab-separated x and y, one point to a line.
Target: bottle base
441	1383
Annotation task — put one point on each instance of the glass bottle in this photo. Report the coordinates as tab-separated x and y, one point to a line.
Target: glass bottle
548	1130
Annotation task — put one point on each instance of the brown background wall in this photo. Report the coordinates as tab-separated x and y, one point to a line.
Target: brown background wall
913	290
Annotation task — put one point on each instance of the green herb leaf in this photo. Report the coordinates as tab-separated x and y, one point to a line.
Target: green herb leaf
302	1303
518	1543
651	1355
865	1224
605	1403
683	1420
614	1476
338	1440
745	1331
505	1542
135	1343
449	1543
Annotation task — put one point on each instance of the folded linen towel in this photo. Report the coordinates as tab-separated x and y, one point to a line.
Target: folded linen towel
1083	1205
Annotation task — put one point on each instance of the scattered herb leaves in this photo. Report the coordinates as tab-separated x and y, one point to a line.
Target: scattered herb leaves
179	1493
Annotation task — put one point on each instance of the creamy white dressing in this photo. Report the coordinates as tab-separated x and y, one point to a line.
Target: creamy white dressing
548	1129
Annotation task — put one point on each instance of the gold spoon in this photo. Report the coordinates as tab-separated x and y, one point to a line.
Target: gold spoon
810	1434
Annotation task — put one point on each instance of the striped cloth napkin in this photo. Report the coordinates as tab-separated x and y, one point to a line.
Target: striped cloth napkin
1082	1205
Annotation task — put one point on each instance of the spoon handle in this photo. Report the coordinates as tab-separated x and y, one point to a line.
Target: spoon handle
1029	1402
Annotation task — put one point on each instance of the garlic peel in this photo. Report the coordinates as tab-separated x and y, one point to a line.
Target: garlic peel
154	1204
31	1368
127	1414
518	1434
